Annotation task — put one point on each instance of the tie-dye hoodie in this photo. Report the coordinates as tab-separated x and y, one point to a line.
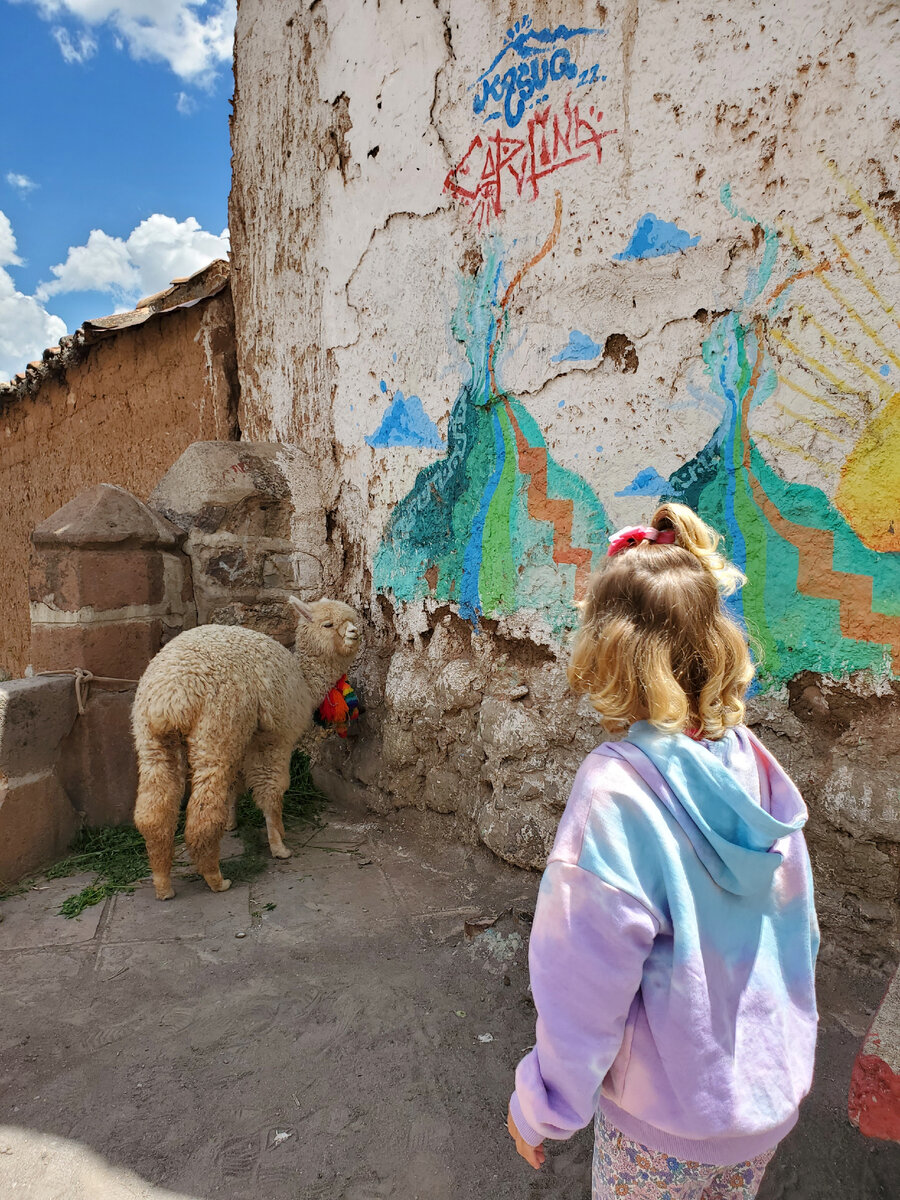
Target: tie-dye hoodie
673	950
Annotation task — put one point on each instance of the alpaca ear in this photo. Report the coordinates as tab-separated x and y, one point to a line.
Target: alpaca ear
303	609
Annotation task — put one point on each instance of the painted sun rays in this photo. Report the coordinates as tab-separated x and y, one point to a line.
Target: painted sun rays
824	585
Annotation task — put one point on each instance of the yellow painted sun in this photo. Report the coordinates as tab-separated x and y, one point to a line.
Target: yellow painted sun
837	350
869	492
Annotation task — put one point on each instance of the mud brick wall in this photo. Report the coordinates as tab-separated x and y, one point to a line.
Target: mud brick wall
121	412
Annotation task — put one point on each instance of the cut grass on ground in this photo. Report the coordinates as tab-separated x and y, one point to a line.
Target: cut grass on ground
118	857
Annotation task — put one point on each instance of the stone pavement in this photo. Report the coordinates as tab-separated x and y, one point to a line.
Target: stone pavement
332	1030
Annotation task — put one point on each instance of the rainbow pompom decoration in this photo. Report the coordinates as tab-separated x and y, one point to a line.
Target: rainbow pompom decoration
339	708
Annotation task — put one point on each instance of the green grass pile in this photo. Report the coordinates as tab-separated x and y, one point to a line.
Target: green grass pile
118	857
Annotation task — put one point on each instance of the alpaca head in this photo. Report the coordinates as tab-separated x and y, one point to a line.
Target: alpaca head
328	630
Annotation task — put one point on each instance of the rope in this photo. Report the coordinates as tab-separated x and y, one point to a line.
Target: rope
83	681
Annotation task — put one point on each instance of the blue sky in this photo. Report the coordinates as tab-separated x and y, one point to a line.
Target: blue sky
115	120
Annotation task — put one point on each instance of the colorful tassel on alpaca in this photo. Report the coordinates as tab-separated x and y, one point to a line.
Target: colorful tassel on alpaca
339	708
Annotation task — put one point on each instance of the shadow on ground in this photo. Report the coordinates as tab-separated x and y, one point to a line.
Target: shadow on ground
344	1027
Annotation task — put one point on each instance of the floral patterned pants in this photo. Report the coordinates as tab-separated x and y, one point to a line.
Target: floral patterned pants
625	1168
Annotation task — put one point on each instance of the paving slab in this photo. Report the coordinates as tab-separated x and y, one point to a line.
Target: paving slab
32	919
194	912
323	897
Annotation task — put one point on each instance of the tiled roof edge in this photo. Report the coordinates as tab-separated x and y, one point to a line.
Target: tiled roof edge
73	348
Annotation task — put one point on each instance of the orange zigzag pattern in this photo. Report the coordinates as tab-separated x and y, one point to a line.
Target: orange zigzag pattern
533	459
816	575
560	513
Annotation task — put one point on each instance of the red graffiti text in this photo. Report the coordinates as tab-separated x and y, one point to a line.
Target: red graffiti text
494	165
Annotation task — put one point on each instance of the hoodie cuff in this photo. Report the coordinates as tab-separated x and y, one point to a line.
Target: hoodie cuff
526	1133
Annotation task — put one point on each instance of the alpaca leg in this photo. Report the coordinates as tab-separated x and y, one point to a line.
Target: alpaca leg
234	794
207	815
162	774
267	771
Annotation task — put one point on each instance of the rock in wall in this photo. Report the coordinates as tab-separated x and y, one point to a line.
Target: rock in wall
512	277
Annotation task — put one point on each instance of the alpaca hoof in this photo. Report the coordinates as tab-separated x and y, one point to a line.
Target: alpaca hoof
280	852
231	825
165	893
217	883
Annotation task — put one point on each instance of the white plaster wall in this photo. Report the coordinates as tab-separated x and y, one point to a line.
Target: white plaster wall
356	257
349	255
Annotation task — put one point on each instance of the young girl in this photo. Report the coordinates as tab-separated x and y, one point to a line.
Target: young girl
673	948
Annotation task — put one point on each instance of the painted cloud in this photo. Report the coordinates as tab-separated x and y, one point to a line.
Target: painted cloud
406	424
653	238
580	348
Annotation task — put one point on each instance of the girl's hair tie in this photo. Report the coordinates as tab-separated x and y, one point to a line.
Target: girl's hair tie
626	538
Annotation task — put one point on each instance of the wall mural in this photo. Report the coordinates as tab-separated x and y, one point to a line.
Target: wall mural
497	525
824	574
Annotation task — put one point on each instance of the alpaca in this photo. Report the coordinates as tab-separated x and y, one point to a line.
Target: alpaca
223	702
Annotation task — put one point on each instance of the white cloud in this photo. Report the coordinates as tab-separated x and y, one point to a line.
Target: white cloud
101	265
75	50
26	328
193	36
8	256
20	182
185	104
155	252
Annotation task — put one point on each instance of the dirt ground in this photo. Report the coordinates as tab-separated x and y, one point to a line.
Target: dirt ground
332	1030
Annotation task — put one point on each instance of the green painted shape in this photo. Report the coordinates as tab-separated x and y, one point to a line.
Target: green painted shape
497	584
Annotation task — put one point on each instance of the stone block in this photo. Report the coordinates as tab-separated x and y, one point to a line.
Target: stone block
68	578
521	835
442	790
874	1101
274	617
121	650
37	823
255	489
35	715
233	568
508	728
98	765
106	515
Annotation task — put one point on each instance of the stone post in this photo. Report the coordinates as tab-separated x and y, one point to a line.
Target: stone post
108	586
256	532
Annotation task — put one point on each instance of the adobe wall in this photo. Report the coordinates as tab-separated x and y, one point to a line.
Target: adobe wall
514	278
121	411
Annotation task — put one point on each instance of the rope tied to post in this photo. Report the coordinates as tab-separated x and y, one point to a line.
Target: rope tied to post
83	681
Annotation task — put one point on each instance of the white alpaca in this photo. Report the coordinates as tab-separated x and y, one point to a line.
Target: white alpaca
228	702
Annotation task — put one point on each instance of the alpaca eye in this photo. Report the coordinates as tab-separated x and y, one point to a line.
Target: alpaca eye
328	625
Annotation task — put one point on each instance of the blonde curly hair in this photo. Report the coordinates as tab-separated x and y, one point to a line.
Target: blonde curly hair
655	643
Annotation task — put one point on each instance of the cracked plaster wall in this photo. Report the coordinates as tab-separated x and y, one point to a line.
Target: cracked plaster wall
511	283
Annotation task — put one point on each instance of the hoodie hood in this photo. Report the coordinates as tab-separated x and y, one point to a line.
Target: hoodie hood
735	836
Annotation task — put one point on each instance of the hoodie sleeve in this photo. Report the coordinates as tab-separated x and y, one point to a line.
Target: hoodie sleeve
586	956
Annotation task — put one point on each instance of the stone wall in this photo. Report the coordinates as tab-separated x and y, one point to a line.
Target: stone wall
254	531
512	279
118	410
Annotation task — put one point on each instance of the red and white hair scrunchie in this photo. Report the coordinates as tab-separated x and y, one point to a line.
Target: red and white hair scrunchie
626	538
